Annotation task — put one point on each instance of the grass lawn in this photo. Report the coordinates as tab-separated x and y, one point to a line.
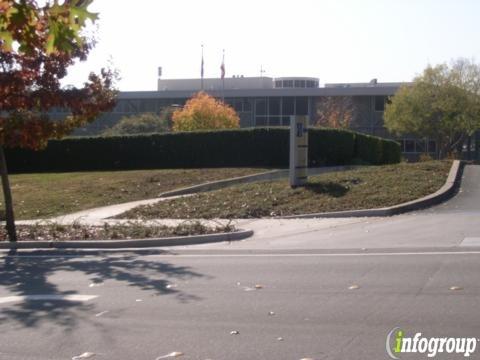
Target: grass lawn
368	187
45	195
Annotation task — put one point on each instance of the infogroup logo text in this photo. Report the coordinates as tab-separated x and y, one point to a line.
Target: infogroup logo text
397	343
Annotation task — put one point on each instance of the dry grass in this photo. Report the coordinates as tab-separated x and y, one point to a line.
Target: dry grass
368	187
45	195
51	231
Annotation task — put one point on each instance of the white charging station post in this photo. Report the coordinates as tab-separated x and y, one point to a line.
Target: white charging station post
298	150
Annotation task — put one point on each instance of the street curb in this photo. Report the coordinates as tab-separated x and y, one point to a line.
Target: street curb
269	175
445	192
122	244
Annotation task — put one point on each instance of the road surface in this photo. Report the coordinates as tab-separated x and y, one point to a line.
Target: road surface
332	290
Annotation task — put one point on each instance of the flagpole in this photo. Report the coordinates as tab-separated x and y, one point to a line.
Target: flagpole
201	72
223	76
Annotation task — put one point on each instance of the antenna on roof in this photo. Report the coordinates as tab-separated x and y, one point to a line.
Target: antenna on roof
262	71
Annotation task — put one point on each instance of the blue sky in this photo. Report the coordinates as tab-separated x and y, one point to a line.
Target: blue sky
334	40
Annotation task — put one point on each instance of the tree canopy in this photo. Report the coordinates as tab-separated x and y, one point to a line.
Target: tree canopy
442	104
204	112
335	111
38	43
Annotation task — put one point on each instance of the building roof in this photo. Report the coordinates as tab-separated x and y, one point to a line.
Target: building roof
386	89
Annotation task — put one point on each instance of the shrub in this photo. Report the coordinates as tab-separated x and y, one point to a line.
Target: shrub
391	152
144	123
369	148
260	147
204	112
330	147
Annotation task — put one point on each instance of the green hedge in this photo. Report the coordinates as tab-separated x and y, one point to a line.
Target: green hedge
225	148
391	152
375	150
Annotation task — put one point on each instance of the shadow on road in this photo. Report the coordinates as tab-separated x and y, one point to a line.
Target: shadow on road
27	276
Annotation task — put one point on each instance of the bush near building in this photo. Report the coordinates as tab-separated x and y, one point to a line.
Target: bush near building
144	123
204	112
256	147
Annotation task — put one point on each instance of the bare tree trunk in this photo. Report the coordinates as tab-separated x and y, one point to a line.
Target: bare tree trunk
7	195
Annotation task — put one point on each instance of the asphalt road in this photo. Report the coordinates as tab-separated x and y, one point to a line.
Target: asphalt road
153	303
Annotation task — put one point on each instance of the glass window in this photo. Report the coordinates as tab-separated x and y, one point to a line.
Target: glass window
230	102
260	107
380	103
274	106
301	106
420	146
409	146
288	106
285	121
310	84
120	106
131	106
247	104
261	121
402	145
432	146
287	83
278	83
299	83
274	121
238	105
150	105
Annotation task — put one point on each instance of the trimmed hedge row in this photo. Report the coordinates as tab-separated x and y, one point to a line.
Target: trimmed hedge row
225	148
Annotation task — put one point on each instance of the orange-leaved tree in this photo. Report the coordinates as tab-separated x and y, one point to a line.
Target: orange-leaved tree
204	112
38	43
335	112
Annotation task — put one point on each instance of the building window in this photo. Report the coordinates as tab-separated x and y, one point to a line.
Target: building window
288	83
274	106
274	121
247	105
278	83
260	107
380	103
261	121
238	105
420	146
301	106
409	146
299	83
432	146
285	121
288	106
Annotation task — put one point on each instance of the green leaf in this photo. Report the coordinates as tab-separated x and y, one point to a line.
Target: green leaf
7	40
